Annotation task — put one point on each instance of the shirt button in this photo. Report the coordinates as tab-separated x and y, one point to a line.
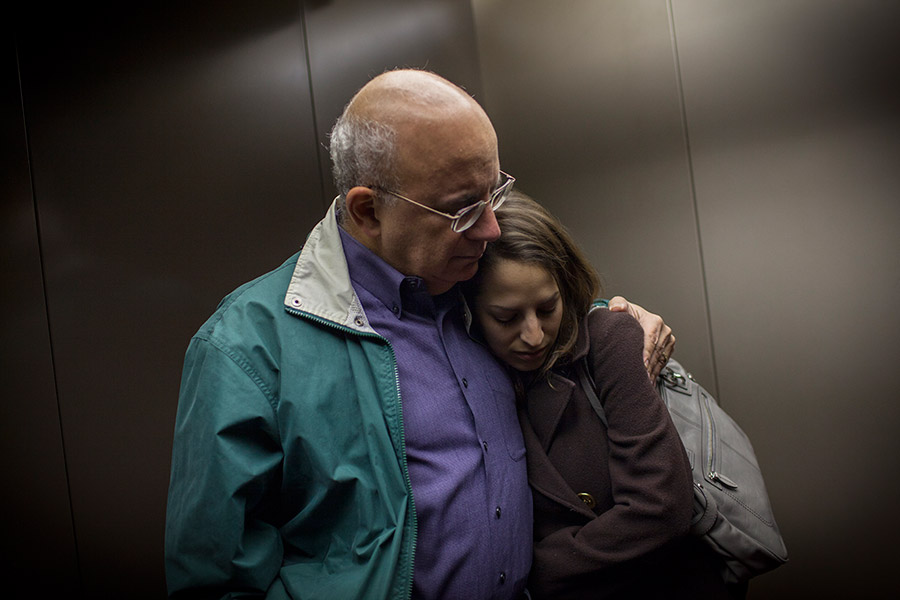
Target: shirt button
465	382
502	578
484	445
395	309
497	512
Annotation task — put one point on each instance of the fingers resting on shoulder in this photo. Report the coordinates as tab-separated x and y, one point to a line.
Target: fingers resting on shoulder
659	341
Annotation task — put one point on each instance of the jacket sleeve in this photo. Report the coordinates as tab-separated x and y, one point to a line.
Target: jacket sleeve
220	541
649	473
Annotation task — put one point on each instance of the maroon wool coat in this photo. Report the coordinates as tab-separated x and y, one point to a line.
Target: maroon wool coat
625	534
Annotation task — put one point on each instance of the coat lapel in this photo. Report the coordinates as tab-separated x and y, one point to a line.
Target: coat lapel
546	403
540	420
544	406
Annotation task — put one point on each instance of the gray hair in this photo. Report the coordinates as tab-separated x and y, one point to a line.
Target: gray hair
362	153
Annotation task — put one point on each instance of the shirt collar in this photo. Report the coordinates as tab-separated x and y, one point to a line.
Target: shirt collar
397	292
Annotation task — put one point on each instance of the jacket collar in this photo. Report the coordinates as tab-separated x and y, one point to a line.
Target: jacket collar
546	402
583	341
320	285
547	399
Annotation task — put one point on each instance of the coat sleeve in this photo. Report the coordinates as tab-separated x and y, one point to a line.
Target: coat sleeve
649	473
219	542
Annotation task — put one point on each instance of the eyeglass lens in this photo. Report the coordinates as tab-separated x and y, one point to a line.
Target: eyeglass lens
474	212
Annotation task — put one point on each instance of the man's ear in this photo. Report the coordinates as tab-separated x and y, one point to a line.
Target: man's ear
360	207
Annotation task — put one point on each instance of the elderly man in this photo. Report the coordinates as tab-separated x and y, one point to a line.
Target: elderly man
338	434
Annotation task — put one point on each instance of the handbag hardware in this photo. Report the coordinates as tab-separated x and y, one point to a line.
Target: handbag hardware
735	520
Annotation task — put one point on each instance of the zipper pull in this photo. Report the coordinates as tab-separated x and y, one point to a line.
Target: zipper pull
713	476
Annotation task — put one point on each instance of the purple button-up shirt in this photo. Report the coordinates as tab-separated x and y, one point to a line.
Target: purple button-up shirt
465	451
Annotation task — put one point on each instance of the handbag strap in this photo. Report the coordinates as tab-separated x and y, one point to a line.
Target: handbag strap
587	383
584	375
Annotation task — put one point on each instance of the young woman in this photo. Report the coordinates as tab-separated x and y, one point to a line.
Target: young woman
612	505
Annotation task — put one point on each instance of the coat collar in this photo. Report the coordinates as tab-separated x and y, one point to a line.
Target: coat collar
583	342
544	406
547	399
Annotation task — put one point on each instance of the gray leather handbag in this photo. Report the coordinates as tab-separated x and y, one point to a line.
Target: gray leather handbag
732	511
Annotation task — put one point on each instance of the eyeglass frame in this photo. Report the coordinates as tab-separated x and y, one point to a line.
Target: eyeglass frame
501	191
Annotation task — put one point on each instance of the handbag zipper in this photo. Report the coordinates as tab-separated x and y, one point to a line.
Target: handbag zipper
711	472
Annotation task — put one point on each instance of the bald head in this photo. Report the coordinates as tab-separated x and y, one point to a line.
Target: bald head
391	117
403	95
416	136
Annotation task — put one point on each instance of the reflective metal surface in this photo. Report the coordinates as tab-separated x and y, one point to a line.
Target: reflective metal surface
177	151
36	522
733	166
350	41
173	158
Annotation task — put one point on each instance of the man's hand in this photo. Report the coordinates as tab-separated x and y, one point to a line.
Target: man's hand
659	343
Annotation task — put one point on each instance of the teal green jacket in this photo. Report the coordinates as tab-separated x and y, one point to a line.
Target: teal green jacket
289	475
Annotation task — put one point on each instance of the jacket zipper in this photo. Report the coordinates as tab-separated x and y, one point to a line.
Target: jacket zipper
404	467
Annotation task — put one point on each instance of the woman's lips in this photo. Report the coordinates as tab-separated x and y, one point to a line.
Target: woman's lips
530	355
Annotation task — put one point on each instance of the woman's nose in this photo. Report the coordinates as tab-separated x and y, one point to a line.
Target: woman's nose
532	334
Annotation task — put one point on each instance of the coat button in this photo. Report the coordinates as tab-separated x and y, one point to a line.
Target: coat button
588	500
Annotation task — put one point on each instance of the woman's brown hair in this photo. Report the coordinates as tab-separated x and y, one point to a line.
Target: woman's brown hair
530	234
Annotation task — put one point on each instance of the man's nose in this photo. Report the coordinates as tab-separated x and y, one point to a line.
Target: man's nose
485	228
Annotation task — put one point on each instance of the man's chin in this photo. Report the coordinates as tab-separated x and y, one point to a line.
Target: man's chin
468	271
436	287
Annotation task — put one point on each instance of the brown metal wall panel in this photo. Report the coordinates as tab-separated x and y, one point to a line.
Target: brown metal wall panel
37	532
789	145
174	158
793	116
586	105
350	41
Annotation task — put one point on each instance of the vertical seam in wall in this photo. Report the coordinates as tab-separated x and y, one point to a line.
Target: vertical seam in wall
693	191
312	104
37	222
